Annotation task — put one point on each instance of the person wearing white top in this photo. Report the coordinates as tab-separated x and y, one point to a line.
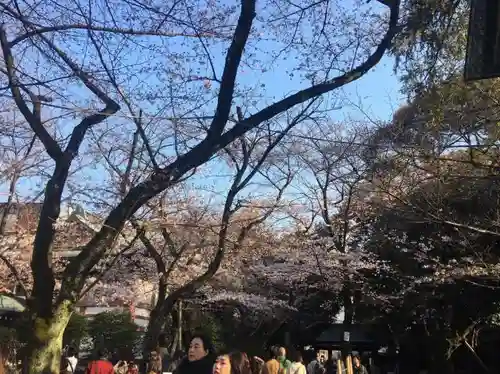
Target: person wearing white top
72	361
297	367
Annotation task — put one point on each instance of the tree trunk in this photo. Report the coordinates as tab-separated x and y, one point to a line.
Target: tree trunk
172	330
348	318
179	323
45	344
154	330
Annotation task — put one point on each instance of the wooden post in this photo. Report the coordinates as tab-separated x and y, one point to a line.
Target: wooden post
339	366
349	364
179	317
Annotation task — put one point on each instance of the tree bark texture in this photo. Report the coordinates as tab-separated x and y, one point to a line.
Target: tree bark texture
45	345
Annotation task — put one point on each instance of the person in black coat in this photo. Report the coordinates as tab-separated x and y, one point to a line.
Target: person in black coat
200	358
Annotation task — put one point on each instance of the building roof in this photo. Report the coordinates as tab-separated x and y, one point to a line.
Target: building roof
10	303
334	335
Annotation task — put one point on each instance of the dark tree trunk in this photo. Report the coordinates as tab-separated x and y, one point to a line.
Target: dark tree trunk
348	317
154	329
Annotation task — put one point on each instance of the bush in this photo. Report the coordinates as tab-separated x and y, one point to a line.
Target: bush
116	332
77	329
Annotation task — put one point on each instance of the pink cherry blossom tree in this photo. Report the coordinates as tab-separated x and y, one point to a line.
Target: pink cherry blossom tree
186	246
97	58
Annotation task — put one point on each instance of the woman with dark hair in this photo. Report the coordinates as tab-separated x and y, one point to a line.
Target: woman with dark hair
357	366
222	365
200	359
240	364
155	363
132	368
232	363
257	365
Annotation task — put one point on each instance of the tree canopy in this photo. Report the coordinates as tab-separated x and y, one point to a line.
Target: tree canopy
150	157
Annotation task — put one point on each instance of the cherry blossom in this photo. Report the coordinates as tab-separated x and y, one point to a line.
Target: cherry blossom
14	261
255	303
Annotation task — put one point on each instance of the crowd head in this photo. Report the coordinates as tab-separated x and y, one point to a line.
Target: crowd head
281	352
201	352
296	356
232	363
199	347
274	351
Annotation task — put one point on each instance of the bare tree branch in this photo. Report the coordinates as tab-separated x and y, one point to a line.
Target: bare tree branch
32	117
199	154
109	266
232	63
113	30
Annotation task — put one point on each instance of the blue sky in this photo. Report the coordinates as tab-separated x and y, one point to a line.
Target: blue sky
377	92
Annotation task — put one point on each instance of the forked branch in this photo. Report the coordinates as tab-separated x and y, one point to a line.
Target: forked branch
198	155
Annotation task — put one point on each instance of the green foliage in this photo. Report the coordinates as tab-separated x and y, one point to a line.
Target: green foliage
430	46
114	331
433	218
214	328
77	329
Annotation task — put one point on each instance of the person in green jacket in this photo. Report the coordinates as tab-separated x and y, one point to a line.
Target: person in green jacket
284	362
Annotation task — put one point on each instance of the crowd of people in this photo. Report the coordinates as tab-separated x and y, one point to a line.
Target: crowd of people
202	359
